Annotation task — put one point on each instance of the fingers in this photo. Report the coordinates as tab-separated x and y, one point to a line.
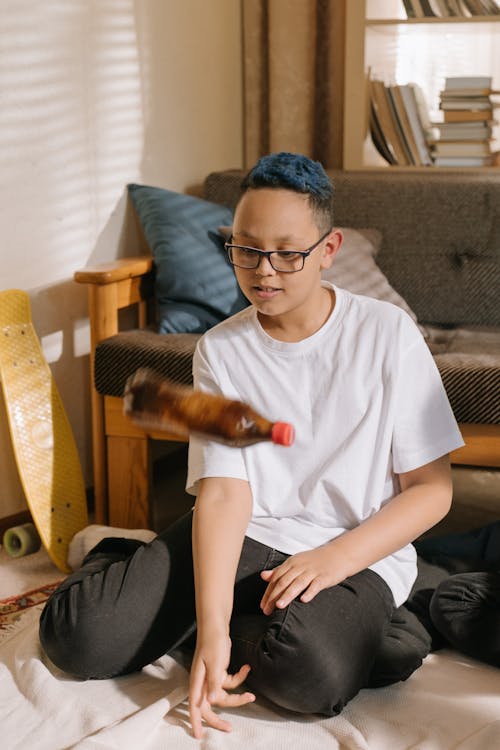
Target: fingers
275	579
200	706
286	584
314	588
214	686
195	715
196	699
233	700
214	720
233	681
207	715
284	590
215	675
196	722
205	688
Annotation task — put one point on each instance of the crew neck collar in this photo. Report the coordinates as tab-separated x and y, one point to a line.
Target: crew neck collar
299	347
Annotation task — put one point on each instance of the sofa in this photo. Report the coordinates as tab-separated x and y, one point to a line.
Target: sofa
424	239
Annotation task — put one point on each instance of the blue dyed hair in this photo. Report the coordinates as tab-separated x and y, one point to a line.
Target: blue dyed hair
299	174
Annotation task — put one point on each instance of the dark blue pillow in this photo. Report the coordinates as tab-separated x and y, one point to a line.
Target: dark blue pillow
195	284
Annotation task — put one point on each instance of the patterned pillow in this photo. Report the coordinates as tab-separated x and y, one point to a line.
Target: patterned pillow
354	268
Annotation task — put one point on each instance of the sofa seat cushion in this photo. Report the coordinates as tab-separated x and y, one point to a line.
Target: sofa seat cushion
468	359
118	357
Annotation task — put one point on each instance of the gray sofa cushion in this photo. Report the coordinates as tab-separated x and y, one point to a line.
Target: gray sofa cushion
118	357
468	359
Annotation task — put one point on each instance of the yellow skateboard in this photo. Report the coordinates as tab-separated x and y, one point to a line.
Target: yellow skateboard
44	447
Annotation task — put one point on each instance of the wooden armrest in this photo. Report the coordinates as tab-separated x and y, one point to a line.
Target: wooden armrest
117	270
482	446
113	286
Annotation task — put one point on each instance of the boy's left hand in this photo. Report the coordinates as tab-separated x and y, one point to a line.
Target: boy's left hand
305	573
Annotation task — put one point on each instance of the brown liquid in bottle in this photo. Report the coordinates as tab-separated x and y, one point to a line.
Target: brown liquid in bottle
156	403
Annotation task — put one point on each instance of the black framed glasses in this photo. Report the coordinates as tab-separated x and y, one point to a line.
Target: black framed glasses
284	261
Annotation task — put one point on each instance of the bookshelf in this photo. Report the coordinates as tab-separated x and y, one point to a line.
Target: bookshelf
379	37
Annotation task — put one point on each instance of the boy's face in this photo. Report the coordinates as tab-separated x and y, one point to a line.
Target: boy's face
278	219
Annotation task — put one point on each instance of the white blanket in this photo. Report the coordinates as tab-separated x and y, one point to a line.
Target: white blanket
451	703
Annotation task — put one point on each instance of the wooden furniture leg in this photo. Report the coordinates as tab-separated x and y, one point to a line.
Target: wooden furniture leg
130	482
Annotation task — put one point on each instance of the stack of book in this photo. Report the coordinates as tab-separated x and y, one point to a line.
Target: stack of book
399	123
466	131
446	8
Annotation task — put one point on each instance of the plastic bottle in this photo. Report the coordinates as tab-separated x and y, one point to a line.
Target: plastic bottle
156	403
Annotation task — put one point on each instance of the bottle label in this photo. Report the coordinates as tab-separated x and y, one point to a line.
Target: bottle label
244	424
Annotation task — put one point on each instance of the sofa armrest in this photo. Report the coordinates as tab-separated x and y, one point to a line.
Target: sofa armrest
113	286
124	283
482	446
113	271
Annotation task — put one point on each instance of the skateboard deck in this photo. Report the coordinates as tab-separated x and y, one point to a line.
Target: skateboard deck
42	439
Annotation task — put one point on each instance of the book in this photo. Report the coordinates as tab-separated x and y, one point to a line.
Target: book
472	103
467	82
398	118
471	93
454	8
492	8
384	148
463	161
473	7
418	11
410	13
462	134
467	115
482	7
418	122
439	7
406	128
427	9
480	131
461	148
464	8
389	127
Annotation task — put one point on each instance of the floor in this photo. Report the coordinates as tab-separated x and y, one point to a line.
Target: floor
17	576
26	573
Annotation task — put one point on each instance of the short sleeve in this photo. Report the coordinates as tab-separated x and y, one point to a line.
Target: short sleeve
425	427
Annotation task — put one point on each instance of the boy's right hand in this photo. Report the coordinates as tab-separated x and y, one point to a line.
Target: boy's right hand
209	683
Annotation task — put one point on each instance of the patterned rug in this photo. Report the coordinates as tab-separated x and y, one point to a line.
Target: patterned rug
14	609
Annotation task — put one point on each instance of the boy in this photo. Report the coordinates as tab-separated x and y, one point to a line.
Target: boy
301	554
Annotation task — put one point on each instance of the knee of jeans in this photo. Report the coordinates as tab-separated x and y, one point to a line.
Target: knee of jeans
404	645
456	597
465	607
68	639
292	672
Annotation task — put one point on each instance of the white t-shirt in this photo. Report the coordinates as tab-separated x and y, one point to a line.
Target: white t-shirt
367	402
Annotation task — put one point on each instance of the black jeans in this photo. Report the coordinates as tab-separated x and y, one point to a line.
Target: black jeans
130	603
457	592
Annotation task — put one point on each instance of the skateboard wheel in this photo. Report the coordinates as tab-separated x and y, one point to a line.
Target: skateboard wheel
21	540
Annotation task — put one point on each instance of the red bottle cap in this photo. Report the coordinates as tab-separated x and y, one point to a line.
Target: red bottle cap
283	433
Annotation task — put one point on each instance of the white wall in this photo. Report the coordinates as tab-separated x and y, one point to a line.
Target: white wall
95	94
